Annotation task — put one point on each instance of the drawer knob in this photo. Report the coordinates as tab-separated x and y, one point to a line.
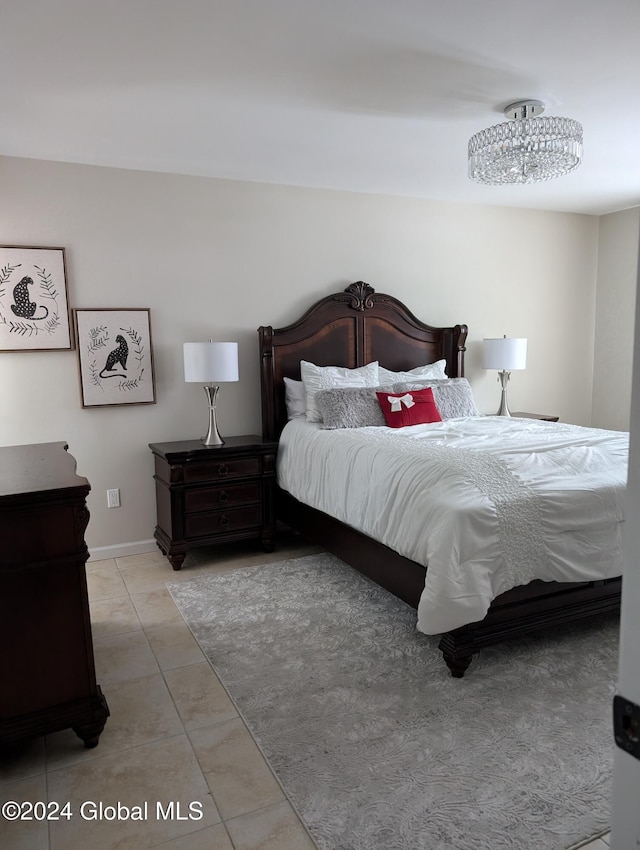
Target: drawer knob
224	521
223	469
223	496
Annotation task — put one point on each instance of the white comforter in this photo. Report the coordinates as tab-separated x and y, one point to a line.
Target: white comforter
485	503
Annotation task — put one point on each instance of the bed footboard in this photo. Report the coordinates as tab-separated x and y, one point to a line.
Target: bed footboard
534	607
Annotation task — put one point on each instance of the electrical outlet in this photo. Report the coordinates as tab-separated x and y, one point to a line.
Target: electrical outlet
113	498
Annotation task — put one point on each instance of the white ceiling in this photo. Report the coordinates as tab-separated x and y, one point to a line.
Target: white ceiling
364	95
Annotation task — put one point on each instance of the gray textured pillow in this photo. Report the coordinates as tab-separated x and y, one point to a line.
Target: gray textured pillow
350	407
453	397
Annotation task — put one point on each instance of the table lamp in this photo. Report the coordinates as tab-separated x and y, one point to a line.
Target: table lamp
211	363
505	355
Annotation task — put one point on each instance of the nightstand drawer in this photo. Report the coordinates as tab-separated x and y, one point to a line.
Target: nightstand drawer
222	522
219	469
220	498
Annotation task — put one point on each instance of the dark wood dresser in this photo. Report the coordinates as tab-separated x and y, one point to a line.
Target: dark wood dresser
47	672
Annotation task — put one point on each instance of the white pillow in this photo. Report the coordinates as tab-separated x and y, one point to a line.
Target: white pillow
294	398
316	378
430	372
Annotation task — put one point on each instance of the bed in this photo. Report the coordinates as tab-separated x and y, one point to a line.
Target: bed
358	327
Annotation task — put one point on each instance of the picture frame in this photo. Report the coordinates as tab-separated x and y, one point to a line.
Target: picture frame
115	356
34	299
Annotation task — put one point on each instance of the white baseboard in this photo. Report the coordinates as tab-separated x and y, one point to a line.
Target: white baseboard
121	550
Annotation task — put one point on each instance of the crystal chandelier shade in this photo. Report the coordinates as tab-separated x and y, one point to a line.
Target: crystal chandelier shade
526	149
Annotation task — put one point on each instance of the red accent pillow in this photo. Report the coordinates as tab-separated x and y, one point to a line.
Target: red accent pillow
409	408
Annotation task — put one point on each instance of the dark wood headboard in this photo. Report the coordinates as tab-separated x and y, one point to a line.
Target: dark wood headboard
351	329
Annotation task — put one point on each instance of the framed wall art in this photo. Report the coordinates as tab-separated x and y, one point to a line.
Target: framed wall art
34	302
115	357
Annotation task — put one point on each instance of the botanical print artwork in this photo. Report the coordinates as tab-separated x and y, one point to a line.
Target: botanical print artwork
34	310
115	356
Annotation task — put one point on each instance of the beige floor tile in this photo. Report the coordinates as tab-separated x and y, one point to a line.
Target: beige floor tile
113	617
199	697
132	562
212	838
276	827
24	835
105	584
154	576
174	645
129	561
24	759
239	777
226	553
156	608
142	711
158	773
121	657
106	564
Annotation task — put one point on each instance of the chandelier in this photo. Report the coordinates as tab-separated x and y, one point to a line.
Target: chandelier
525	149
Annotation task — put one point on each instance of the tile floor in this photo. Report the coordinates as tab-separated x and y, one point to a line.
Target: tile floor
174	735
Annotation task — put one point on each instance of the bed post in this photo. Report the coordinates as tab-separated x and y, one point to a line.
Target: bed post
267	382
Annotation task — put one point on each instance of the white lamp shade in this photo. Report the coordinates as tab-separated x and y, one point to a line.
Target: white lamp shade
210	362
504	354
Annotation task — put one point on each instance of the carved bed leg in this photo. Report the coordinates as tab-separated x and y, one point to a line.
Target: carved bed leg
457	650
457	665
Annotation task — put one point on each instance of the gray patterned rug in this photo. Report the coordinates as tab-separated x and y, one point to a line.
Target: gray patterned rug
378	747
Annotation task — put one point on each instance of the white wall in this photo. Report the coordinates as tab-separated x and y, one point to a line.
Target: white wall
615	306
216	258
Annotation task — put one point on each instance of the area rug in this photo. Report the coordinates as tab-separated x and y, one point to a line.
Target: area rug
374	742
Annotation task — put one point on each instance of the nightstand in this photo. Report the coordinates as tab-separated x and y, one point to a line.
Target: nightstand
542	416
213	494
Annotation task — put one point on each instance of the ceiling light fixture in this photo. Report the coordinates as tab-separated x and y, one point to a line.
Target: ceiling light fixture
525	149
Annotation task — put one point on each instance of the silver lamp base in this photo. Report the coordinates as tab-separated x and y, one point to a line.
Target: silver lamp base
503	410
212	437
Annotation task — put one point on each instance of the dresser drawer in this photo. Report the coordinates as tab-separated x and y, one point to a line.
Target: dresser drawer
223	522
214	470
221	498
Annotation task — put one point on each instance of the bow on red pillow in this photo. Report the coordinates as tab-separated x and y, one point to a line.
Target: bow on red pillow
411	408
